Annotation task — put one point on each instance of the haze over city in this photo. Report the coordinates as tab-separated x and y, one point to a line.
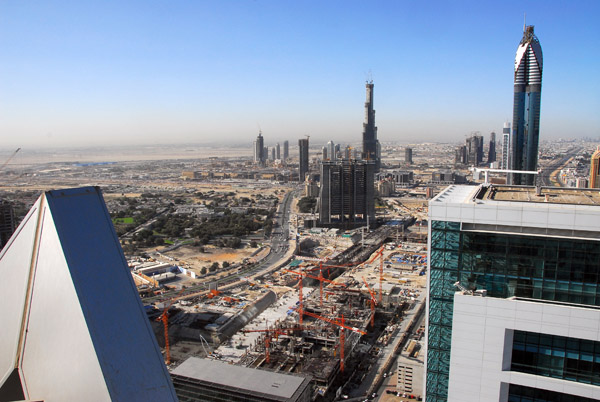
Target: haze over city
214	72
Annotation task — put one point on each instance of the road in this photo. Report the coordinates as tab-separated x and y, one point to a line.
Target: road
546	178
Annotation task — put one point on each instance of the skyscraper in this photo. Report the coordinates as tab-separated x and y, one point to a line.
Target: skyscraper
370	142
346	197
303	162
331	151
474	149
527	324
505	146
278	152
408	155
259	154
595	170
526	107
286	150
492	148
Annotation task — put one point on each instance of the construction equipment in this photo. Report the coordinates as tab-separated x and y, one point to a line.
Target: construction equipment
320	278
271	333
164	317
379	254
342	326
9	158
373	302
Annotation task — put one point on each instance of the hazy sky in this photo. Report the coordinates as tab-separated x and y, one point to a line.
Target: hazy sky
210	71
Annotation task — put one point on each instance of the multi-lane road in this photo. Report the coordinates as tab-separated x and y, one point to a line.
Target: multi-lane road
546	176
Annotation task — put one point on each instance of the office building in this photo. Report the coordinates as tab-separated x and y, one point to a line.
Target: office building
278	151
331	151
303	164
259	154
408	155
505	146
286	150
513	294
595	169
74	328
460	156
210	380
324	155
474	146
526	108
370	142
492	148
347	195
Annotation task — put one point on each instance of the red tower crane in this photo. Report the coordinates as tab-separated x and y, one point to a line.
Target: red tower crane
342	326
373	302
269	334
164	317
320	278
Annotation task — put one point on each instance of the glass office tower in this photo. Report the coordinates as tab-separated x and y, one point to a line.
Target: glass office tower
526	107
537	257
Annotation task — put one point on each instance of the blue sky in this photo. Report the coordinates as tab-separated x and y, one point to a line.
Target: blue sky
78	73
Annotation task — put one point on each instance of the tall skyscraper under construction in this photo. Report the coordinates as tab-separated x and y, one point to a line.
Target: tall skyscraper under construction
370	142
303	163
346	197
526	107
259	154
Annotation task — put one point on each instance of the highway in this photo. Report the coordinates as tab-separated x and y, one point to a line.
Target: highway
546	176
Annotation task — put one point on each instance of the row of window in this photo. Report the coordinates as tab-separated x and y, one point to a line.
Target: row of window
520	393
556	356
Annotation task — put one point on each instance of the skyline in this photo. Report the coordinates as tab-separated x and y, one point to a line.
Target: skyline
203	72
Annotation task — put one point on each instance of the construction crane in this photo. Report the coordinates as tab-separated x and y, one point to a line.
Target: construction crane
379	254
320	278
342	326
9	158
164	317
271	333
373	302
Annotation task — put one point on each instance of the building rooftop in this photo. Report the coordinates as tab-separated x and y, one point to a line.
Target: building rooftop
553	195
253	381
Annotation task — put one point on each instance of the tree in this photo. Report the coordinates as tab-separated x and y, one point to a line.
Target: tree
307	204
253	244
213	267
225	264
203	271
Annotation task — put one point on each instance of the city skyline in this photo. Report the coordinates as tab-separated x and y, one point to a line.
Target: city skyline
86	74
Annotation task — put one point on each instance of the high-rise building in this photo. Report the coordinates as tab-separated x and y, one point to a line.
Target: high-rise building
303	163
526	107
370	142
460	156
347	196
331	151
505	146
492	148
513	294
474	149
595	169
278	151
273	155
259	145
408	155
324	155
286	150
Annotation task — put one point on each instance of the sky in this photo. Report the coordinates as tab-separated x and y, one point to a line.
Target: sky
215	72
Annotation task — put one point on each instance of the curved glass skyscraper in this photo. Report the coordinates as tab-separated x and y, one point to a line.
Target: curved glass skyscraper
526	108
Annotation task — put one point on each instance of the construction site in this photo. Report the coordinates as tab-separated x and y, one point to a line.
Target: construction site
332	321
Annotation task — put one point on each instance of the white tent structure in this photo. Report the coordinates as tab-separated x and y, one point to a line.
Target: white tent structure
72	326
